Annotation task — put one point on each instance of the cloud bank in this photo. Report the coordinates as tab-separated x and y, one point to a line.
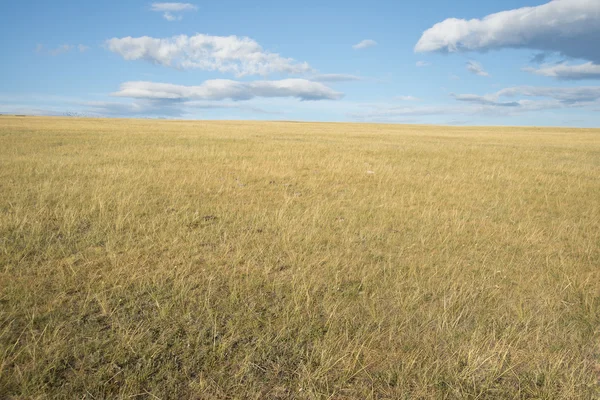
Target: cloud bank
526	99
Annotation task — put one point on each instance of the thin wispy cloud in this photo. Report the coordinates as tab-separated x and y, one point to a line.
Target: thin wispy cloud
484	100
476	68
568	72
365	44
336	78
62	49
170	17
407	98
222	89
160	7
173	11
566	95
530	97
162	108
506	102
65	48
385	112
422	64
393	113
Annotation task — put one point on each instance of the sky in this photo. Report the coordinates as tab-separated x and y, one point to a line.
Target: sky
470	62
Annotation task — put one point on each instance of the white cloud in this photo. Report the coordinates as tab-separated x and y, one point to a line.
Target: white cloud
565	95
24	109
566	71
364	44
382	112
162	7
221	89
150	99
241	56
139	108
62	49
476	68
336	78
488	100
65	48
407	98
423	64
169	8
524	99
474	108
544	97
160	108
568	27
170	17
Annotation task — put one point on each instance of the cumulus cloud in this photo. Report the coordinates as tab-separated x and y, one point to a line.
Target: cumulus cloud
240	56
568	27
565	71
169	8
476	68
364	44
221	89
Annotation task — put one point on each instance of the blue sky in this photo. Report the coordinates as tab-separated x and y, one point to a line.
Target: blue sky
468	63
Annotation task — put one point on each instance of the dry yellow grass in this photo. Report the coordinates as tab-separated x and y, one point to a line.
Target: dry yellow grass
225	260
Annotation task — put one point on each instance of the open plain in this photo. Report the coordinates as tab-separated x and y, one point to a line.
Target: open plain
279	260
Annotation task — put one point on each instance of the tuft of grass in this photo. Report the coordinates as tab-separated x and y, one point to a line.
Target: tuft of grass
171	260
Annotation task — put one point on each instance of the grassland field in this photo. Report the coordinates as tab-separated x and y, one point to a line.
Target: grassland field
144	259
